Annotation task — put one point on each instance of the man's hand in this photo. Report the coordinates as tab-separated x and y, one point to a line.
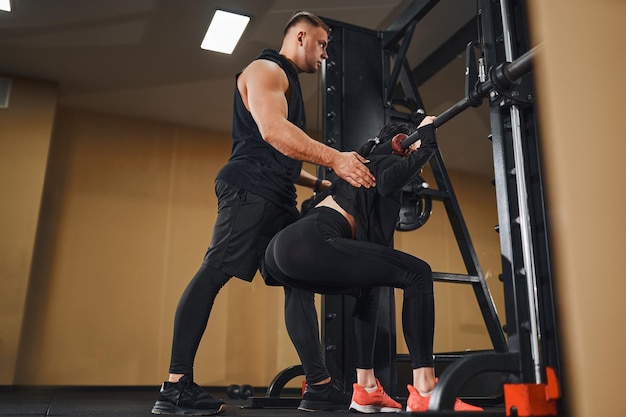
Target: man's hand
349	166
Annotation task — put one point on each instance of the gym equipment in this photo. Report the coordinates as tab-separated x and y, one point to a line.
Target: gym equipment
501	79
240	391
232	391
416	205
531	357
354	85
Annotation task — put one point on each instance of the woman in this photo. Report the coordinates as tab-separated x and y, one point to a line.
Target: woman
344	244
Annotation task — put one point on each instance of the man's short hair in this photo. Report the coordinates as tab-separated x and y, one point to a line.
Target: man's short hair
303	16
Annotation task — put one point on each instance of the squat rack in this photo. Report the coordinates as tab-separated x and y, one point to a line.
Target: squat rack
357	105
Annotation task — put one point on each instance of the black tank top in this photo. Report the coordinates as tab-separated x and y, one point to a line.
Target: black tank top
256	166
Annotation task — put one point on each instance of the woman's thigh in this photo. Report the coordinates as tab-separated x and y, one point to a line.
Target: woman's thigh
305	257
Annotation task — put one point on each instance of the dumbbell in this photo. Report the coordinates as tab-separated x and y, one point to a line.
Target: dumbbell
237	391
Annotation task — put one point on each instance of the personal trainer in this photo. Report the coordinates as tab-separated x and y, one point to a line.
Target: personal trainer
256	199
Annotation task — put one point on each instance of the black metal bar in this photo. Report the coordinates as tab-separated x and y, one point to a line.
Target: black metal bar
448	114
400	59
356	104
459	372
280	380
447	277
410	88
416	11
504	75
521	65
510	72
273	398
448	51
468	253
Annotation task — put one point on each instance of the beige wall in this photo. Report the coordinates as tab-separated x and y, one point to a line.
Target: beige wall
459	324
581	75
128	208
126	215
25	129
126	218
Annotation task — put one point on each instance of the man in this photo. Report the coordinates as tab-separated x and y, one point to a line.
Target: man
256	199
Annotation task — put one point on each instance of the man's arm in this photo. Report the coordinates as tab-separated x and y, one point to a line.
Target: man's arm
262	86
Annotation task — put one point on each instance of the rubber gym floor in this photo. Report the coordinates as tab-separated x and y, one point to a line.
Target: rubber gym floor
138	401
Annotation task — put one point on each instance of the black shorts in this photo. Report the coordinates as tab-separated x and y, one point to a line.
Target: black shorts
244	226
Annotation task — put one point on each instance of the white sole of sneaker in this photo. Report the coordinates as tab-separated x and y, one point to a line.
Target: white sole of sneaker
371	409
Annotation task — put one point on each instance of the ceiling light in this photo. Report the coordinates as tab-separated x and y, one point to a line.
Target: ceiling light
5	5
224	31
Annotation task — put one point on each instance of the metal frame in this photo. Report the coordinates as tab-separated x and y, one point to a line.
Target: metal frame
523	228
531	344
396	43
524	233
353	111
342	107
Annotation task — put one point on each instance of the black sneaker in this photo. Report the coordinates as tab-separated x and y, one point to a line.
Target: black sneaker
325	397
186	398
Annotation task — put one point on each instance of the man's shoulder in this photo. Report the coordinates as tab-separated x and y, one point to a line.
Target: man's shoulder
280	60
268	58
262	69
269	54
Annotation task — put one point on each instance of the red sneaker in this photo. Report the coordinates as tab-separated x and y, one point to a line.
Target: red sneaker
417	402
373	402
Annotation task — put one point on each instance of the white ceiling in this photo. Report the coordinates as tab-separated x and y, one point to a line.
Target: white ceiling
142	58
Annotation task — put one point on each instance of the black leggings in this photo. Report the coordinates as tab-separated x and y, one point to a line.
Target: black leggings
194	308
317	254
192	316
245	224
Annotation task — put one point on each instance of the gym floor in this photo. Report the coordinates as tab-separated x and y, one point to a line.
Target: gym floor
136	402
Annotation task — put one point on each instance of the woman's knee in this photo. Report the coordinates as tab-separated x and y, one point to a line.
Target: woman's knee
421	280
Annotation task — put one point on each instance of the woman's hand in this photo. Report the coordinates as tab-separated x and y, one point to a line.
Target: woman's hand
427	121
415	145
